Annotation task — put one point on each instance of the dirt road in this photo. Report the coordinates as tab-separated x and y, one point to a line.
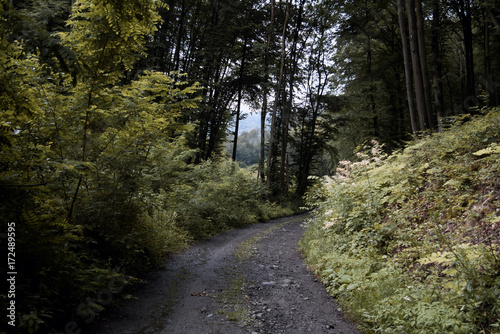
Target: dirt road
251	280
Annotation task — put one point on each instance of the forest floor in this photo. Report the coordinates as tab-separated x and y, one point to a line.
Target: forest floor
250	280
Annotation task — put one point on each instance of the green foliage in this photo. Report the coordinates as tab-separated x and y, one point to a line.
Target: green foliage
248	151
94	167
216	196
109	35
410	243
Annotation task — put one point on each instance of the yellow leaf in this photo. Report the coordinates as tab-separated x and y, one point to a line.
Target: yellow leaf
492	149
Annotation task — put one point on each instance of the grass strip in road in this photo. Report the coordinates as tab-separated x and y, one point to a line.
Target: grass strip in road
232	300
246	249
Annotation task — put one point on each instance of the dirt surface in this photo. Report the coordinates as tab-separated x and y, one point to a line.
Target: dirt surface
251	280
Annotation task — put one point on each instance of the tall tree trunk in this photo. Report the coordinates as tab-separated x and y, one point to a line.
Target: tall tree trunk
288	106
423	64
417	67
302	144
487	62
436	64
465	15
407	63
238	109
180	34
372	88
270	155
492	15
263	114
369	61
307	141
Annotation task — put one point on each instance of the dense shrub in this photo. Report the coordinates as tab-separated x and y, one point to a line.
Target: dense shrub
94	168
410	243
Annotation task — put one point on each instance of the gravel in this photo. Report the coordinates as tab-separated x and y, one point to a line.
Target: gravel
251	280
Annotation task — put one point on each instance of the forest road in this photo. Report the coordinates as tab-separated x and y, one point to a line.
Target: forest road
250	280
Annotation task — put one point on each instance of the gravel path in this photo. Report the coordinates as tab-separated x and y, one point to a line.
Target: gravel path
251	280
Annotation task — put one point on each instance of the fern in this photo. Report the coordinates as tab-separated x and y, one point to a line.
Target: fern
409	244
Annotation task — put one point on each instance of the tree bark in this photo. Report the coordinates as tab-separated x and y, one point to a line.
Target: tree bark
407	65
436	64
417	67
178	43
238	109
270	155
423	63
287	110
487	63
369	61
265	93
373	106
492	16
463	9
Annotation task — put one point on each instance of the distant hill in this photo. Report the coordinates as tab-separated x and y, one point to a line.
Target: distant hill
251	122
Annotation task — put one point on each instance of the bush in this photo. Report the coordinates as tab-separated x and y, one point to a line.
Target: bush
94	166
409	243
215	196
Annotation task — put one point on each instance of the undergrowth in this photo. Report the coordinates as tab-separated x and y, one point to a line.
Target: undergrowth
409	243
97	181
120	236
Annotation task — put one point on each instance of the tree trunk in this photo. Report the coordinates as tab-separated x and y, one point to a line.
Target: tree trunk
270	155
263	115
487	63
372	88
417	67
436	64
464	12
179	36
407	63
238	109
369	61
265	93
307	152
423	64
492	16
288	106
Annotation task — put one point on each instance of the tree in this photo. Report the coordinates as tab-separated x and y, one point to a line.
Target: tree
314	125
212	53
278	99
417	65
407	63
265	90
73	147
295	55
463	9
437	62
248	148
422	54
370	72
